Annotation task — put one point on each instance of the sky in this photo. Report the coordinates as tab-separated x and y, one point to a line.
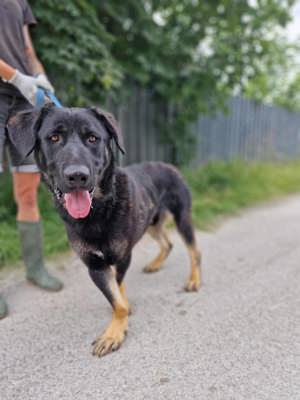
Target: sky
293	29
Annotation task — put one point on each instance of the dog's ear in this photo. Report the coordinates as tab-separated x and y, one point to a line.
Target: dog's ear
22	131
23	127
111	125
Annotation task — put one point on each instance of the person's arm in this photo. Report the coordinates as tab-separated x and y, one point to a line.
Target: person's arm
26	84
6	71
35	65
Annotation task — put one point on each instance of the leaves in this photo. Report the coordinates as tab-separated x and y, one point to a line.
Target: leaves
191	53
75	47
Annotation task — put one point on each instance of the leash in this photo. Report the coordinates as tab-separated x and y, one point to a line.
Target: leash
44	96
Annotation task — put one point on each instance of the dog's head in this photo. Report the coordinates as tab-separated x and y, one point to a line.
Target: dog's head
72	148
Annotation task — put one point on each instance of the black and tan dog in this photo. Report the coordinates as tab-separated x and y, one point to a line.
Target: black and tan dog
106	209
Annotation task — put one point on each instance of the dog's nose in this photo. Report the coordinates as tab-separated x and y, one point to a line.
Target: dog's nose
76	176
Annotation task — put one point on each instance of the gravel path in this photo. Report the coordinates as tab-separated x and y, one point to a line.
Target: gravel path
238	338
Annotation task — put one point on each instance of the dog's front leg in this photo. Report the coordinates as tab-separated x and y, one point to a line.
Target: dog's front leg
112	338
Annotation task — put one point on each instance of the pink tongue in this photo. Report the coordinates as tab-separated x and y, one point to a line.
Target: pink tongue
78	204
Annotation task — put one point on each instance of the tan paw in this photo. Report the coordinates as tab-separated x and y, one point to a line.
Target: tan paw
150	268
192	285
106	344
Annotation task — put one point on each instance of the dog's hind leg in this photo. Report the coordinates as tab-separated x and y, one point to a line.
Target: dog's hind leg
114	334
194	281
186	230
159	234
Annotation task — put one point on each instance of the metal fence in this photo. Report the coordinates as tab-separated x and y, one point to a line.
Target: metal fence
141	120
249	131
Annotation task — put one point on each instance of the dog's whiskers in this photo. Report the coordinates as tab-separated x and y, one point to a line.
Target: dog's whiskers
58	193
92	196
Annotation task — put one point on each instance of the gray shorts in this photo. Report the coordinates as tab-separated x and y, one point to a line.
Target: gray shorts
10	105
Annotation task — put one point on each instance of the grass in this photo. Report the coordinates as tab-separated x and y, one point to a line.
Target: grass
218	189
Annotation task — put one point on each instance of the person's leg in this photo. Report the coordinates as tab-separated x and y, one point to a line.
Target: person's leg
26	179
25	186
25	191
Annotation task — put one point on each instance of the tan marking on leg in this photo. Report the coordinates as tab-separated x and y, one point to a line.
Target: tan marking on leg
125	298
161	237
114	335
166	238
194	280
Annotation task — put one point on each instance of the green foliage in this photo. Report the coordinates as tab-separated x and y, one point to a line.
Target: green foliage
289	96
222	188
191	54
76	49
277	80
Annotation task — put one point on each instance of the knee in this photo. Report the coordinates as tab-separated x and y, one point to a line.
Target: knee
26	194
27	199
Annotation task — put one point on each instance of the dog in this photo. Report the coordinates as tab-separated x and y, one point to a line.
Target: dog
106	209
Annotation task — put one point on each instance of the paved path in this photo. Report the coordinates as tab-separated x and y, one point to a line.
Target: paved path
238	338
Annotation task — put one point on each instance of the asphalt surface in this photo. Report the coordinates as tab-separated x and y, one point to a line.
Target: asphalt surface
238	338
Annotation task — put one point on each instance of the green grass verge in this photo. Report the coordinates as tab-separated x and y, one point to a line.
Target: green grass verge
218	189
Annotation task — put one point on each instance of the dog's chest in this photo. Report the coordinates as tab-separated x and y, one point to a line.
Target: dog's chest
83	249
107	252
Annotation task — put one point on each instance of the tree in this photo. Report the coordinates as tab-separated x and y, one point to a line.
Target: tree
289	97
192	54
277	80
76	48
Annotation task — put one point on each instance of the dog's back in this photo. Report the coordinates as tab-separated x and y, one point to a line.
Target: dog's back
165	180
170	191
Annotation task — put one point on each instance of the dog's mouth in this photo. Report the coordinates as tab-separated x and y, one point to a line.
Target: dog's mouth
77	203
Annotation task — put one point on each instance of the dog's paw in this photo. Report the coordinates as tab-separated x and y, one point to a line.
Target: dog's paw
194	281
150	268
111	339
105	344
192	285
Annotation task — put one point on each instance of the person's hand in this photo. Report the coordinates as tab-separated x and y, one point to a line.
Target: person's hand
27	85
43	82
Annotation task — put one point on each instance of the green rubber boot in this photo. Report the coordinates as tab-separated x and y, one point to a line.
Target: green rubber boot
3	308
32	251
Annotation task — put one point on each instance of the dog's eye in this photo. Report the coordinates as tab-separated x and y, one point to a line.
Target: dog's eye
92	139
54	138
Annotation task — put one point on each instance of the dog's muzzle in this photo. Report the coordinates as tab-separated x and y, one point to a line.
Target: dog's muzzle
77	177
78	193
